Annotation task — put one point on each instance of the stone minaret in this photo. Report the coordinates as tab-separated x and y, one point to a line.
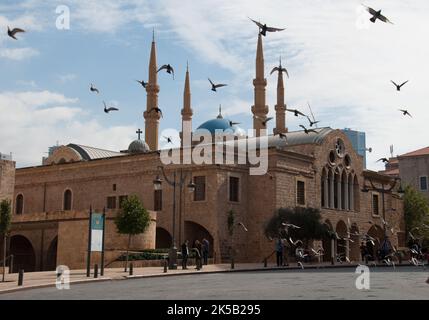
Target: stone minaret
187	111
280	106
259	109
152	90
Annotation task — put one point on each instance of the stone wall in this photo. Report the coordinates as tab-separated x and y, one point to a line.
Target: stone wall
7	179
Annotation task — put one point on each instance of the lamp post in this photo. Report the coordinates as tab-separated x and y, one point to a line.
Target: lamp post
157	184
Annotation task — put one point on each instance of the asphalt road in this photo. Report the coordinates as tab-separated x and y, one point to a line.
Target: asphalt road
385	283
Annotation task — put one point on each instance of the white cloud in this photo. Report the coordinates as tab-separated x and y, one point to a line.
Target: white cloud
18	53
67	77
32	121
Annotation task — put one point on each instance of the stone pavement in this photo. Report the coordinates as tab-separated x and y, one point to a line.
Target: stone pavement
48	278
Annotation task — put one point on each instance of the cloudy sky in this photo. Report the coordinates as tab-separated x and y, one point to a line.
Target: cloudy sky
337	60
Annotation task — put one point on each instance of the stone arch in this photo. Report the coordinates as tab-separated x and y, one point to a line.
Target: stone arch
67	200
24	256
377	233
195	231
163	238
356	194
327	242
19	204
51	255
341	244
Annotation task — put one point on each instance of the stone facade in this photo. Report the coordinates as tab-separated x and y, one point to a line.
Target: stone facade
7	179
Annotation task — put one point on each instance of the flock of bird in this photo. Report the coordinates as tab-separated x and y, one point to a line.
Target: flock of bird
263	30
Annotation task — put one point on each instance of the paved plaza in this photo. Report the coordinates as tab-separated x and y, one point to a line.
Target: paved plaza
328	283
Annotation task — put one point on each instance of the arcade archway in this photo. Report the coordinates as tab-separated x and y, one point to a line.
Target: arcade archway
51	257
163	238
342	245
23	254
195	231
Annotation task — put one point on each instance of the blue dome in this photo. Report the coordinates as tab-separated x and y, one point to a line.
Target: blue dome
222	124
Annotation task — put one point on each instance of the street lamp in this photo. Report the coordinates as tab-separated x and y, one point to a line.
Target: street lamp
157	185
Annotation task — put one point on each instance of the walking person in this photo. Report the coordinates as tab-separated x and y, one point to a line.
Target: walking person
279	252
197	250
206	248
185	254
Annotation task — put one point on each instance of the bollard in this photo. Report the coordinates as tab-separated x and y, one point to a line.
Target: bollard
96	271
332	261
265	263
131	269
165	266
232	263
21	277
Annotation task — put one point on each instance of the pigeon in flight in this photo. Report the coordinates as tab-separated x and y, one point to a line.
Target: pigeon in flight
282	136
264	120
296	112
280	69
398	86
107	110
307	131
263	28
144	84
167	68
169	139
13	32
215	86
385	160
293	226
94	89
232	123
377	15
312	122
243	226
405	112
158	110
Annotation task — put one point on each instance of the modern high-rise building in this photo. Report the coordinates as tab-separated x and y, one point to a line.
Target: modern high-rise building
358	141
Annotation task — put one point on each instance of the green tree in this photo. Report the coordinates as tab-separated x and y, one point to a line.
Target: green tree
132	220
416	212
308	219
5	221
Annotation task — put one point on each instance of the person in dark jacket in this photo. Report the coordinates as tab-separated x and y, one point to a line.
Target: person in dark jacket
185	254
197	250
206	247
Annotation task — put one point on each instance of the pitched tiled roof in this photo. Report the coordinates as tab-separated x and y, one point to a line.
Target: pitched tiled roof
419	152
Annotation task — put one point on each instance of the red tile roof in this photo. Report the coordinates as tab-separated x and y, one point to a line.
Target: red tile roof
419	152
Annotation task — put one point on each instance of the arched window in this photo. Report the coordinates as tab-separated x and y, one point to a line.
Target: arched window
19	204
337	189
356	192
351	193
323	189
67	200
344	187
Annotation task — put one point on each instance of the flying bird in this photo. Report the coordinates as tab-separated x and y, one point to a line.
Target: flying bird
13	32
405	112
144	84
282	136
158	110
296	112
263	28
294	243
169	139
264	120
215	86
377	15
312	122
94	89
280	69
307	131
107	110
232	123
398	86
167	68
293	226
243	226
385	160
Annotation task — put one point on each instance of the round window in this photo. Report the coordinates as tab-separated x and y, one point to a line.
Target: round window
340	148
